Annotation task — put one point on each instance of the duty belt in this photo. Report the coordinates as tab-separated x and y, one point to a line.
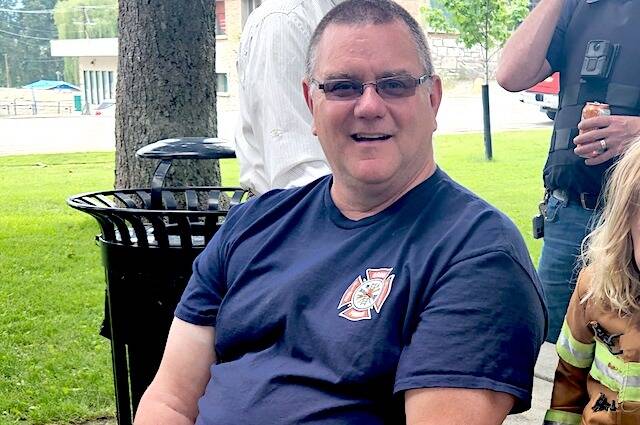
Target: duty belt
588	201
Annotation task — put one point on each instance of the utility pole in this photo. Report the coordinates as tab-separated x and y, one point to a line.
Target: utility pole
86	22
6	69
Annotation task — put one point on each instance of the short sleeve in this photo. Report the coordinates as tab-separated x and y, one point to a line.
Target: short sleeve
481	328
555	53
201	298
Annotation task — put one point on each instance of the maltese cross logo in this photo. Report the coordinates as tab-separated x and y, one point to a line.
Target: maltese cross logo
364	294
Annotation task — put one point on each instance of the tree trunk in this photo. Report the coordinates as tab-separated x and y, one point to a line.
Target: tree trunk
166	86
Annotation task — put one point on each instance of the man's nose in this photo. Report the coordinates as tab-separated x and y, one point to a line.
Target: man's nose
370	105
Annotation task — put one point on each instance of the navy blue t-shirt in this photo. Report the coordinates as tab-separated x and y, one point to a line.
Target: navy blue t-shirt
324	320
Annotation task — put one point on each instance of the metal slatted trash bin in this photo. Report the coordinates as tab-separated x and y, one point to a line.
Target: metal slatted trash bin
149	239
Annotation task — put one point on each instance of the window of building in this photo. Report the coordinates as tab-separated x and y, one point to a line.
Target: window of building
98	85
87	87
112	85
221	24
247	8
221	83
94	86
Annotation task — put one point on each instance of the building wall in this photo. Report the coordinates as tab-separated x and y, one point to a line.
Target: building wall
452	60
97	76
227	53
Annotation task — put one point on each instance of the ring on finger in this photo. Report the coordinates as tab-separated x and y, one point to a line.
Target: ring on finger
603	145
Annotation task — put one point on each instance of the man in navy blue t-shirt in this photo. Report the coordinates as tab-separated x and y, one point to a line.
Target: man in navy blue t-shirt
385	293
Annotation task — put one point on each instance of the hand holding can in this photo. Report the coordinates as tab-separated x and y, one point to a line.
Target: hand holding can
592	110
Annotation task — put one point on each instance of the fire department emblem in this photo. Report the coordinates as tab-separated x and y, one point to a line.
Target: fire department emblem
365	294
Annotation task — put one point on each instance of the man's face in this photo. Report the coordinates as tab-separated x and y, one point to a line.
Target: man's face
373	140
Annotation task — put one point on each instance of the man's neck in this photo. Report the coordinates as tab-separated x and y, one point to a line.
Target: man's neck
360	201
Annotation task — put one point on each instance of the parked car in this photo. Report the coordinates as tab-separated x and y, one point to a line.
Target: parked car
544	94
106	108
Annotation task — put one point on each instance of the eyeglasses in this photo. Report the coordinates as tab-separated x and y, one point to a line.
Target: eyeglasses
387	87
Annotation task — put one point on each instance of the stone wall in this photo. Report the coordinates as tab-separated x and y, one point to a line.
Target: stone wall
454	61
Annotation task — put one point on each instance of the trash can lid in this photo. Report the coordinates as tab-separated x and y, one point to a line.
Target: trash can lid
188	148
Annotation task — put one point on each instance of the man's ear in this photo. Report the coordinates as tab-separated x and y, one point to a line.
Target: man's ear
306	90
436	93
435	97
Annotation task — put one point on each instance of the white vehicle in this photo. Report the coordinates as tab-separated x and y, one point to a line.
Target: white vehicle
544	95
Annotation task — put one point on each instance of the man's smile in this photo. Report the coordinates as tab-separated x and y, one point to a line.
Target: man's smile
370	137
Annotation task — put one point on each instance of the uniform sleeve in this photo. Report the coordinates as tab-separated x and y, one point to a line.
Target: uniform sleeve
555	53
280	121
576	350
481	328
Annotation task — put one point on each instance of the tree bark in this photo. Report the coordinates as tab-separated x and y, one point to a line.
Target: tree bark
166	86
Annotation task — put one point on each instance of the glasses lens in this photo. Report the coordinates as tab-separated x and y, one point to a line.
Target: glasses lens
342	89
401	86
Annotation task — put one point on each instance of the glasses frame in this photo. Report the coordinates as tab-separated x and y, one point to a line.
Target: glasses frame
416	82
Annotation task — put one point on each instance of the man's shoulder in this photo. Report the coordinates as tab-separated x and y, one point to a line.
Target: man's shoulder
483	226
278	200
464	204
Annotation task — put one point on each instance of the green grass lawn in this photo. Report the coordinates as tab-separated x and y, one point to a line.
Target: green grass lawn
54	368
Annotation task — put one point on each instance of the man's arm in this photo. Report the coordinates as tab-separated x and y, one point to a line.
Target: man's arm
473	352
523	62
456	406
172	397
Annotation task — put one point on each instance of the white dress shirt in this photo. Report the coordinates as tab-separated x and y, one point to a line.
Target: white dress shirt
274	142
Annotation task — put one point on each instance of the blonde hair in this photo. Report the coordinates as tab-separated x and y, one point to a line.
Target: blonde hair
608	249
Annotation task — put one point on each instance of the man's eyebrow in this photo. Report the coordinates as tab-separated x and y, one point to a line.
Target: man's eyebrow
340	76
348	76
394	73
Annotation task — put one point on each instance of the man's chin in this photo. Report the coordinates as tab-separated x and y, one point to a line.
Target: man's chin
372	178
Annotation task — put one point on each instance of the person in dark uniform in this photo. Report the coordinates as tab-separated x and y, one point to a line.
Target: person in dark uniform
595	45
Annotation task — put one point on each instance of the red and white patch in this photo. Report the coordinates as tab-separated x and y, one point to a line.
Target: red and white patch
363	295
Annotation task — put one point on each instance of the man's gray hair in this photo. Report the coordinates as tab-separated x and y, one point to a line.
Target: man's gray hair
362	12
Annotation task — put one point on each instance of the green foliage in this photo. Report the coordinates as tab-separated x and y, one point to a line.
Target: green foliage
487	23
437	19
24	38
484	23
84	19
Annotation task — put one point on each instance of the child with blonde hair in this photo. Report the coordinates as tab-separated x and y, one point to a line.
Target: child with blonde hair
598	376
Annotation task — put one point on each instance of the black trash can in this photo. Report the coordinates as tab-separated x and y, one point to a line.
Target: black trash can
149	239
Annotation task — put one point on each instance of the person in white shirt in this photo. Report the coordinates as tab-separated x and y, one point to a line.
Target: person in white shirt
274	142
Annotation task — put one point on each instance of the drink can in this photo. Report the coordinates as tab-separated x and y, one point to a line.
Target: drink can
594	109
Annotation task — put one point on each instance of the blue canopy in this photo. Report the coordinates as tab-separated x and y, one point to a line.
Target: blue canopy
51	85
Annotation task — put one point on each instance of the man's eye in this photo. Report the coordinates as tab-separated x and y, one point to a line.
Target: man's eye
343	86
395	84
